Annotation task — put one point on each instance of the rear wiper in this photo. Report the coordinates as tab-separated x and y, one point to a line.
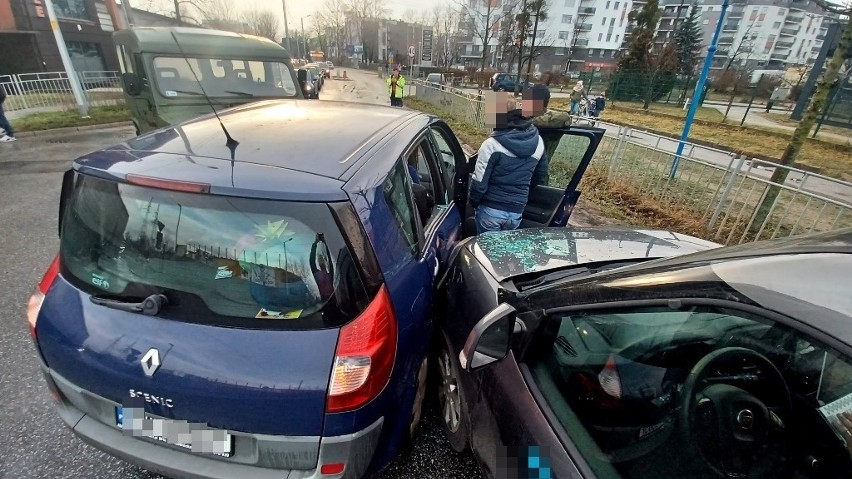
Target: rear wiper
151	306
241	93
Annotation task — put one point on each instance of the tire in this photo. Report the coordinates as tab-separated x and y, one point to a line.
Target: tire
451	405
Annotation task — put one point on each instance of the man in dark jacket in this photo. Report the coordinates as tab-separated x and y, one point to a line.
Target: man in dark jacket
508	163
9	134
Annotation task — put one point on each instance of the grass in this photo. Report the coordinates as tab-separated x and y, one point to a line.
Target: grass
71	118
829	159
703	113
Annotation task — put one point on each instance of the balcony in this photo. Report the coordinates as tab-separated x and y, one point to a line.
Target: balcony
586	11
779	56
586	27
582	42
820	37
730	27
726	40
815	50
784	45
464	39
790	31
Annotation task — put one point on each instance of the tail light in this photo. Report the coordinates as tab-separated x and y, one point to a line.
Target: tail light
365	355
37	298
608	377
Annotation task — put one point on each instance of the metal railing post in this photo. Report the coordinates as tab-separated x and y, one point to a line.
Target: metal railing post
725	193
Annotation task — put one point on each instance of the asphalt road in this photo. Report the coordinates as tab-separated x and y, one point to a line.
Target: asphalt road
33	441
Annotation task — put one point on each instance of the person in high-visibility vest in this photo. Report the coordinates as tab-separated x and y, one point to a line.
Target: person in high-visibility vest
396	85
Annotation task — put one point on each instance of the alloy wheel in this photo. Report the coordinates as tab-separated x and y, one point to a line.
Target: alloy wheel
449	397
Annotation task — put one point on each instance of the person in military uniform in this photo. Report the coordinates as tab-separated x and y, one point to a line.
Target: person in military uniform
534	104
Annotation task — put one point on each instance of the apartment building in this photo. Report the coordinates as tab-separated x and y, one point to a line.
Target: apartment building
756	34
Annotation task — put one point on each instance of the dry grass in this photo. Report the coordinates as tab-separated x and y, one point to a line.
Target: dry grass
703	113
818	156
60	119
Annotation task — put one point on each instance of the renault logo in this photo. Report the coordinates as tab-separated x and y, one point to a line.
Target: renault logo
745	419
151	362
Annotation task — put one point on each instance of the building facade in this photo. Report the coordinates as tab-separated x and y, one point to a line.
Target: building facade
27	44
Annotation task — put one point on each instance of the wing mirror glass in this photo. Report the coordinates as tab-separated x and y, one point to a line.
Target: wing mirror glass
131	84
490	339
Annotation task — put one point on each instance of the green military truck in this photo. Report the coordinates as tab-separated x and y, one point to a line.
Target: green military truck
166	72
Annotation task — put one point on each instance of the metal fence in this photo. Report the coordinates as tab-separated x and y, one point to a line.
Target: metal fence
52	91
716	191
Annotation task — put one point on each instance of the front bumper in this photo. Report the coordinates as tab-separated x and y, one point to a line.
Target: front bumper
255	455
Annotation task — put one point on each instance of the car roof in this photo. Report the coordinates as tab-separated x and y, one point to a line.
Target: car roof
199	41
328	139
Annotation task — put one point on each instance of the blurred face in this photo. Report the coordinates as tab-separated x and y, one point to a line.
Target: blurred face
496	105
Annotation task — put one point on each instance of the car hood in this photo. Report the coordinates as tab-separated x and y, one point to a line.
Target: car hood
505	254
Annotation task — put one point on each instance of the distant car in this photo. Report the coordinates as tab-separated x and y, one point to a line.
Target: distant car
317	71
436	80
330	66
506	82
311	87
727	362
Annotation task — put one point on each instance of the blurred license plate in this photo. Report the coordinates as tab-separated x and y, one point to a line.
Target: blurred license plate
197	437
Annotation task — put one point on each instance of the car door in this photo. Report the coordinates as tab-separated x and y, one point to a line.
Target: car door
568	151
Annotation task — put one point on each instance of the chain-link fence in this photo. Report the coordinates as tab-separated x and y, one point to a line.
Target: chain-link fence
52	91
718	193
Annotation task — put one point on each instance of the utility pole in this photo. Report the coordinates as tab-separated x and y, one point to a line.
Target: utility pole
522	35
177	12
82	104
532	47
286	29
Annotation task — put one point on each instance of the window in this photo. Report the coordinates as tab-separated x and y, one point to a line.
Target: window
612	22
621	22
223	77
600	36
431	175
266	264
603	21
782	12
616	5
86	56
620	381
566	18
608	36
607	5
705	22
398	195
617	37
448	158
75	9
753	15
564	35
776	25
591	52
559	51
709	9
612	54
602	53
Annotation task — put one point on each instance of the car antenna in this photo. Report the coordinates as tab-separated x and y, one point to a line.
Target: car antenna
230	143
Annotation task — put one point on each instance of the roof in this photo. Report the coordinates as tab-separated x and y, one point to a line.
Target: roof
325	139
507	254
199	41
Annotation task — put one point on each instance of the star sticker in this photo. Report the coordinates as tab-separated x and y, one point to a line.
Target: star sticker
273	230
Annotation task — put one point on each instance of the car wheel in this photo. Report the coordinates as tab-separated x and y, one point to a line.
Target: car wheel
417	408
451	399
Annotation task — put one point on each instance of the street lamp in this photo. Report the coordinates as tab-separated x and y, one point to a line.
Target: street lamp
304	38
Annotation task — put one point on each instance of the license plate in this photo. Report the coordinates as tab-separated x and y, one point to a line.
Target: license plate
197	437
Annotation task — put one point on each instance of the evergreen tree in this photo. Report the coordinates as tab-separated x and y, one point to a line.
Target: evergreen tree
633	77
687	37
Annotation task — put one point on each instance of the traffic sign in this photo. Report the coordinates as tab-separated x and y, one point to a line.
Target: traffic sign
411	51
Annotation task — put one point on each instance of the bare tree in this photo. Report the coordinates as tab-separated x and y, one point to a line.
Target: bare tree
483	19
577	37
366	15
262	23
333	16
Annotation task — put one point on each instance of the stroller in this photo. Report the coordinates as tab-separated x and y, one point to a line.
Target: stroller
590	109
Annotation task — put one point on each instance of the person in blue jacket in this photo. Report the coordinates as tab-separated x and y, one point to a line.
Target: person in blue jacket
508	164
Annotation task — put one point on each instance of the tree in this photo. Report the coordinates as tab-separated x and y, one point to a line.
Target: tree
635	68
366	14
577	35
333	16
535	13
842	53
687	38
483	18
262	23
509	39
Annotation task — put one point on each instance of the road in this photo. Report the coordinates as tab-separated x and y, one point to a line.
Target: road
33	441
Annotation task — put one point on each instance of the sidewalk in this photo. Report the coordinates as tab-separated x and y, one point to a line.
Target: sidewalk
756	118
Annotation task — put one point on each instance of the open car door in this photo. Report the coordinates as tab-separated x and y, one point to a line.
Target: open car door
569	151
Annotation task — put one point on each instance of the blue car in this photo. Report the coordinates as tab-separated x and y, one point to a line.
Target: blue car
236	304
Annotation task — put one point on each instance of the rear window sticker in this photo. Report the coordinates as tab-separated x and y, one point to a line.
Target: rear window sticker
223	272
171	93
267	314
100	281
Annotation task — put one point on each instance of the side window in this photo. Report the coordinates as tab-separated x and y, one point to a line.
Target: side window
428	172
447	158
701	392
397	191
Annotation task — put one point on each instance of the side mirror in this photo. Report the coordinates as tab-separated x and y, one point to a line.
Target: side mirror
131	84
489	340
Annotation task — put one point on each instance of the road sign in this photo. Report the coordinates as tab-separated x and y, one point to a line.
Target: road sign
411	51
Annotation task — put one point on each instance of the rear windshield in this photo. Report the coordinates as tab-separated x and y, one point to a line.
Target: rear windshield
220	260
223	77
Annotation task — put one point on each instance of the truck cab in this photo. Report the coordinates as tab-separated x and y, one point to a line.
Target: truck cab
174	74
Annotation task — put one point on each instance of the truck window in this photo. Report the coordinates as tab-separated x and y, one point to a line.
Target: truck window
235	78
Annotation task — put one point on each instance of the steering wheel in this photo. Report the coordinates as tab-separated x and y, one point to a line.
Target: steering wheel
737	433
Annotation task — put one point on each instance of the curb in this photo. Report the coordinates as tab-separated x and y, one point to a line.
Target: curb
71	129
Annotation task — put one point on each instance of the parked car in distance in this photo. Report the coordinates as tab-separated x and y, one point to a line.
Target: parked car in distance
317	72
506	82
330	67
616	365
300	323
310	83
436	80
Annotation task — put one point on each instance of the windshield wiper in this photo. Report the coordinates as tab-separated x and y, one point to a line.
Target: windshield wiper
241	93
551	277
187	92
151	306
